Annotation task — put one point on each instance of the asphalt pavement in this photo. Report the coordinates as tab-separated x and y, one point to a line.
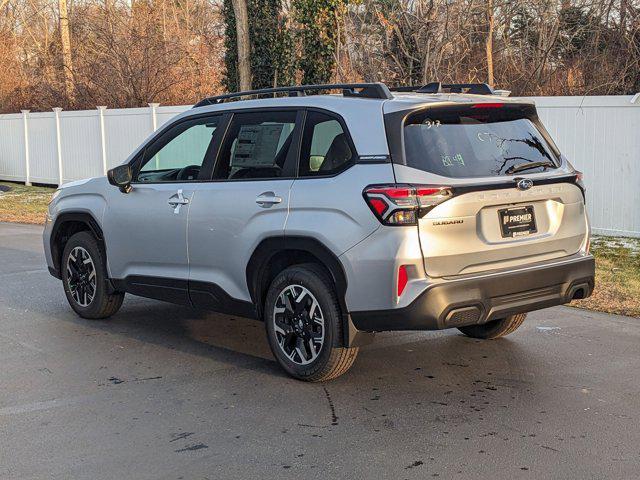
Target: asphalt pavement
166	392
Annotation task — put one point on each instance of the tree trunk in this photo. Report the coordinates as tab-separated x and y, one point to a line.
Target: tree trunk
244	47
65	41
623	16
489	43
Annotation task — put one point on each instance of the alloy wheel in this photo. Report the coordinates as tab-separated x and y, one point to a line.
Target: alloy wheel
298	324
81	276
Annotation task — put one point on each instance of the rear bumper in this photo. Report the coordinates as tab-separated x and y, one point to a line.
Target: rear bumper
478	299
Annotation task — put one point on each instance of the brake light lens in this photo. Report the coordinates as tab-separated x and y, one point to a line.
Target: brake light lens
488	105
399	205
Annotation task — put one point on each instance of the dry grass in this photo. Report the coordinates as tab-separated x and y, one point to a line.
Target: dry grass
24	204
617	277
617	259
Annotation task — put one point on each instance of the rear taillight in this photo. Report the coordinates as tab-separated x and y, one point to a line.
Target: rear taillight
403	204
580	183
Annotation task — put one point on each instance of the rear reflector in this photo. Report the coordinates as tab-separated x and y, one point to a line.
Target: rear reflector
403	278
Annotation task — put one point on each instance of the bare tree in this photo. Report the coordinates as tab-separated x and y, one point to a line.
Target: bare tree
65	41
244	45
125	53
489	41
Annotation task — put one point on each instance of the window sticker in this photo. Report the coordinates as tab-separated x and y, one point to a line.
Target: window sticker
453	160
256	145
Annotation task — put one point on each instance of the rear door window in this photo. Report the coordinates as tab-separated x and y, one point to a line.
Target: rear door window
480	143
258	145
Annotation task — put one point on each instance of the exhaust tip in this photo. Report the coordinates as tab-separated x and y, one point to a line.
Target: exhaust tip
579	292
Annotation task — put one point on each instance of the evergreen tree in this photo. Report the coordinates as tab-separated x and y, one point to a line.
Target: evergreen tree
318	26
271	46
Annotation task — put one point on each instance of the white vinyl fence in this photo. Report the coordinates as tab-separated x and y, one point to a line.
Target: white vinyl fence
599	135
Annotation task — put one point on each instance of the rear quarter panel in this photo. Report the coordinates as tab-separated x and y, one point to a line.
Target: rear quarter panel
332	210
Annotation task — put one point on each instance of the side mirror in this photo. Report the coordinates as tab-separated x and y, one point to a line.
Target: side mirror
121	177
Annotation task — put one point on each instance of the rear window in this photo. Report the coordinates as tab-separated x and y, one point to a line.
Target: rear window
474	142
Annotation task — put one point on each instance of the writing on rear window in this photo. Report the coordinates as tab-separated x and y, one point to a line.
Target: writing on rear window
462	142
452	160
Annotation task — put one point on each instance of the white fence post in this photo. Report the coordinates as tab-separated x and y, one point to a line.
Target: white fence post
103	139
25	123
154	126
154	115
57	111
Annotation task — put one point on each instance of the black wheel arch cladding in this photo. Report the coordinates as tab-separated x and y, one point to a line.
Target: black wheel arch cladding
68	223
295	250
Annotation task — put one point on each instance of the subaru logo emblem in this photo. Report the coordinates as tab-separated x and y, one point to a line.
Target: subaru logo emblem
524	184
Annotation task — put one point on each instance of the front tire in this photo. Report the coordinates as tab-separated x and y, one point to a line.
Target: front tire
304	327
84	278
495	328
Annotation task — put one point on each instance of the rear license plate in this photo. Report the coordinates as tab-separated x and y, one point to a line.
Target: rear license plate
517	221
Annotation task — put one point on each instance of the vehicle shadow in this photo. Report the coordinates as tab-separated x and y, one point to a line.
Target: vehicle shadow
235	341
242	343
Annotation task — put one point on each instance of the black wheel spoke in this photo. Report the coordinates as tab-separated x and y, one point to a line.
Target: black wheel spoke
301	348
281	323
74	269
316	335
302	305
287	302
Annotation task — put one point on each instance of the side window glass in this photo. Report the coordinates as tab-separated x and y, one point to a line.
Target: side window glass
180	153
256	146
325	147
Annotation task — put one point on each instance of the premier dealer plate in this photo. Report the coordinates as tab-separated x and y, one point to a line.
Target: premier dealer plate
517	221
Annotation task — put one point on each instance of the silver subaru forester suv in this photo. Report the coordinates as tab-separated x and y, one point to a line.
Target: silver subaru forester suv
334	216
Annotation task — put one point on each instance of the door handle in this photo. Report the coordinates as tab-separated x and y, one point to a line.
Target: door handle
268	199
177	200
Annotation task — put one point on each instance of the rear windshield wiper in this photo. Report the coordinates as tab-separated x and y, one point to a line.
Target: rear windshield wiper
528	166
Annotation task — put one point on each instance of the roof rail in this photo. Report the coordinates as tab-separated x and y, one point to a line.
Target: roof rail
437	87
359	90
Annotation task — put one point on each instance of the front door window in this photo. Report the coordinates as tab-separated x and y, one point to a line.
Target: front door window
179	155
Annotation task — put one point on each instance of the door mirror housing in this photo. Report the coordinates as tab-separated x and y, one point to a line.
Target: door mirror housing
121	177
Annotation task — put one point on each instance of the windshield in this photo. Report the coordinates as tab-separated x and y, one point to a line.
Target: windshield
474	144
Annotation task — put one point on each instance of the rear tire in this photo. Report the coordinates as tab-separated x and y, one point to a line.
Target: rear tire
495	328
304	325
84	278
